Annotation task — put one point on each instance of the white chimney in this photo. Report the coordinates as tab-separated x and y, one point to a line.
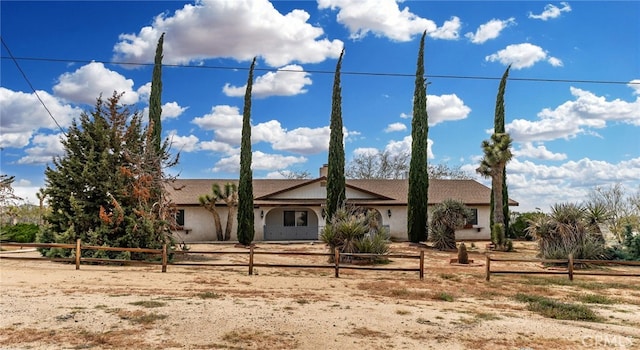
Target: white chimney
324	170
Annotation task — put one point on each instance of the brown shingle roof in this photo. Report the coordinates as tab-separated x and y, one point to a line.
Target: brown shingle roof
390	192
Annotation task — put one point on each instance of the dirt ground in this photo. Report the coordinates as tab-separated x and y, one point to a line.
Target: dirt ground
48	305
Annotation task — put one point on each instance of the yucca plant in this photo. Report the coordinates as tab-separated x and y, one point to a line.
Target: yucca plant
567	230
351	230
446	218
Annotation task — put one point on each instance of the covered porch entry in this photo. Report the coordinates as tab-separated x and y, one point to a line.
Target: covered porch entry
290	224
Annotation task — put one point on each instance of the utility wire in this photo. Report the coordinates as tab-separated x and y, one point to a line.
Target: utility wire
24	75
384	74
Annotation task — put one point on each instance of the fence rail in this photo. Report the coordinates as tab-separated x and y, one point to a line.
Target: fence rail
250	264
570	271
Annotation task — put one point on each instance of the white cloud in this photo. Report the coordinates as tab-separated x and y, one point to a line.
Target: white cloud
446	108
259	161
536	185
572	118
300	140
635	85
144	92
489	30
365	151
45	148
527	150
170	110
551	11
395	127
183	143
286	81
230	29
226	123
450	30
556	62
522	56
89	81
23	115
404	146
218	147
385	18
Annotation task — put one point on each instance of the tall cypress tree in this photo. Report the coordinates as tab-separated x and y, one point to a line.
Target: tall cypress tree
418	170
245	185
155	99
498	128
335	176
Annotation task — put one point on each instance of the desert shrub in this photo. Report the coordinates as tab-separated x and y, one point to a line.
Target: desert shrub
630	247
20	233
353	230
519	223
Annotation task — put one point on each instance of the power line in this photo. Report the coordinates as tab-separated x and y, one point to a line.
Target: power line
384	74
24	75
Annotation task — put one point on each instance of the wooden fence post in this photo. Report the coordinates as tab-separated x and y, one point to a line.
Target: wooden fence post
570	267
251	260
336	259
78	254
422	265
488	268
164	258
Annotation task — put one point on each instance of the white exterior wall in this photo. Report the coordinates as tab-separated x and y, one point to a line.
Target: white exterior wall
482	231
199	221
200	224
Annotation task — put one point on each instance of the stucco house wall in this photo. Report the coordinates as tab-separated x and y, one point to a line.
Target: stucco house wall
272	198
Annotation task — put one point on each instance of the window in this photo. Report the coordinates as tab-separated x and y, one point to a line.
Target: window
473	220
295	218
180	217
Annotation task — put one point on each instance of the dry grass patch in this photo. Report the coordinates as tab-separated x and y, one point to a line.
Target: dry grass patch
209	295
148	303
140	317
364	332
115	339
252	339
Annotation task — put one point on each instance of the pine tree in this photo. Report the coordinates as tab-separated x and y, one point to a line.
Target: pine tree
335	175
245	184
99	190
418	170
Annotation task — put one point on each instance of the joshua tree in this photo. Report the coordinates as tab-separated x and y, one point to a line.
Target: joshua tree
230	197
208	201
497	152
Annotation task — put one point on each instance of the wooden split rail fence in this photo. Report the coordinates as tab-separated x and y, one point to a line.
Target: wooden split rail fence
570	264
165	252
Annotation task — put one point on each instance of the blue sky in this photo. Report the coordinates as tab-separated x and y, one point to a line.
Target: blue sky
572	103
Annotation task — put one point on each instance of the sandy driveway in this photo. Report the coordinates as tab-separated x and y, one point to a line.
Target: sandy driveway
46	305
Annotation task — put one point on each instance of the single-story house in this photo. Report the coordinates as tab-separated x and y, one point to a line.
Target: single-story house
293	209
